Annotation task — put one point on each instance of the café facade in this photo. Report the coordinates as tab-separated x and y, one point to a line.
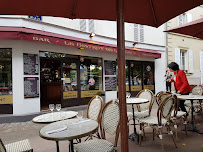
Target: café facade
40	67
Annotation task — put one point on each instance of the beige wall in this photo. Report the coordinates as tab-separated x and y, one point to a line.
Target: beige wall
187	43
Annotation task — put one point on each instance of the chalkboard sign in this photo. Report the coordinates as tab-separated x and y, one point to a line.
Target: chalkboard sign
31	87
31	64
110	67
110	83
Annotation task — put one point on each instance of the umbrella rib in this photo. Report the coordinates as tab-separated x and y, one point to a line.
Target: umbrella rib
74	8
153	12
196	35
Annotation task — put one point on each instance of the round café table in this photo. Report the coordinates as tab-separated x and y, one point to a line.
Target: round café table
191	127
134	136
54	116
69	129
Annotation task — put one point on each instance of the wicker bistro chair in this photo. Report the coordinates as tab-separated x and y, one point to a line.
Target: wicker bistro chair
94	110
110	120
144	110
162	119
175	114
19	146
197	90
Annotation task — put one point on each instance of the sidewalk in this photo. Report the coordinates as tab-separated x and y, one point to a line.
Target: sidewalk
10	132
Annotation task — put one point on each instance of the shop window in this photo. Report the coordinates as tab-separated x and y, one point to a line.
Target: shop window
5	72
90	73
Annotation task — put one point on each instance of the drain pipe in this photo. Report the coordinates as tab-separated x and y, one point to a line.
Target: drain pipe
166	44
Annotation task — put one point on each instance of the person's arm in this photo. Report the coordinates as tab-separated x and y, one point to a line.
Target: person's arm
184	79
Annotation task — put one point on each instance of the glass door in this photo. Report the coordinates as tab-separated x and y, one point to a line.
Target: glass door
135	77
148	76
70	87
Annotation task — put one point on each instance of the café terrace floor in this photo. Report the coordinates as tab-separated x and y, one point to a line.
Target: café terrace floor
14	131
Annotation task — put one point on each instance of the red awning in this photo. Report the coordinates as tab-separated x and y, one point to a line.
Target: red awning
20	33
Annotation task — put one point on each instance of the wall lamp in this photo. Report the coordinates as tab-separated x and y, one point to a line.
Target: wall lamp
135	44
92	34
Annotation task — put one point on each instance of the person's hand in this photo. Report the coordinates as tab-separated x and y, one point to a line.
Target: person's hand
168	80
178	92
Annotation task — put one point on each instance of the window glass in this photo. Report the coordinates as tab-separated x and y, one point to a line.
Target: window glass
136	73
90	73
5	72
183	60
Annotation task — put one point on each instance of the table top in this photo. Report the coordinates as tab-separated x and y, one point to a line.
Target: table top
188	97
69	129
55	116
135	100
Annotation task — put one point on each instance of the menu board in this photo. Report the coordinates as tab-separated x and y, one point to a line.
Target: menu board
31	64
110	83
110	67
31	87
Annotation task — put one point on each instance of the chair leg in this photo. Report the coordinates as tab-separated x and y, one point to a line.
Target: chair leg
185	123
153	133
176	129
140	133
170	132
161	138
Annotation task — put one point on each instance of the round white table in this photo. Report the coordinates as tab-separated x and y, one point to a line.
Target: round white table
134	136
192	127
54	116
69	129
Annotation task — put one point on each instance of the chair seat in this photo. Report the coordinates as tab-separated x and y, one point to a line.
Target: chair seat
195	104
96	145
152	120
179	114
138	115
19	146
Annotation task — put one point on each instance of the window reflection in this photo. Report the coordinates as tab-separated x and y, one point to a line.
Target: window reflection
5	72
90	73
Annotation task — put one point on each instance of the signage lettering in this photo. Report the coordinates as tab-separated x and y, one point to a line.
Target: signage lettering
84	45
41	39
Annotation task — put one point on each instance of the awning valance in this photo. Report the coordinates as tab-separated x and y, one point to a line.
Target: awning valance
18	33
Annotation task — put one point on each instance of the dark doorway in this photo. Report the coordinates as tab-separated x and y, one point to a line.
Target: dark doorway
50	82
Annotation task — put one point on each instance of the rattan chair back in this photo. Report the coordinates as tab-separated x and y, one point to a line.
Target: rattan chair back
166	107
2	147
95	107
146	94
197	90
110	120
160	96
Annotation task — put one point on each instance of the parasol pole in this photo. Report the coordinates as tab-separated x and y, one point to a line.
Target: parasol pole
121	74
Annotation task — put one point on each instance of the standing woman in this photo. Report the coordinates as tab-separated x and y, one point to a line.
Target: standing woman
180	82
167	77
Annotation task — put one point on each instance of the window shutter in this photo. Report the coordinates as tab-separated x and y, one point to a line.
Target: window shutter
83	25
177	56
180	20
190	55
189	17
136	33
141	33
201	66
91	25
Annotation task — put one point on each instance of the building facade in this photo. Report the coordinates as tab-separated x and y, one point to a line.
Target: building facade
56	61
185	50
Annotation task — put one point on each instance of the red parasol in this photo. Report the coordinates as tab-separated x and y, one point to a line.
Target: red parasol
194	28
148	12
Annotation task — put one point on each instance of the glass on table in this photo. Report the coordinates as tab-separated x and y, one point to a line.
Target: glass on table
80	115
51	107
58	107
